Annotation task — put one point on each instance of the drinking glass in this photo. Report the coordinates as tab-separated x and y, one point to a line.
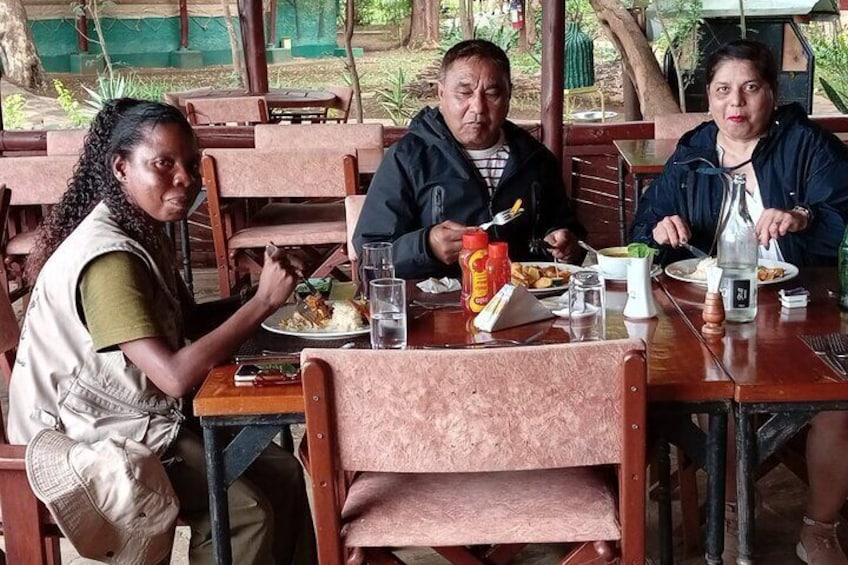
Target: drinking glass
375	263
388	313
586	304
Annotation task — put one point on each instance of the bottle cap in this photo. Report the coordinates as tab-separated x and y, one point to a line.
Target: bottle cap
476	239
499	250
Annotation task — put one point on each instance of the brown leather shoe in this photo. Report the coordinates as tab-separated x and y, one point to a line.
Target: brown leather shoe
819	544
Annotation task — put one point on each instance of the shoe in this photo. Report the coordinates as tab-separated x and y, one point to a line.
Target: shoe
819	544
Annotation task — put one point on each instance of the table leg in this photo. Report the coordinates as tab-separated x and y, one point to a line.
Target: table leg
622	217
219	511
746	459
663	492
716	464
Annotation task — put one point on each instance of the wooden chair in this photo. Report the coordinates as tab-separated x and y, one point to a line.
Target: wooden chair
247	110
239	182
35	182
308	136
673	126
353	208
339	110
29	534
478	447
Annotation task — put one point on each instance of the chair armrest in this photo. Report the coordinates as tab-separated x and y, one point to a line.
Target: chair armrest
12	457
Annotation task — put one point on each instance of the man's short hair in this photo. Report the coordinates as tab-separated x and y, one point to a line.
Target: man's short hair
479	48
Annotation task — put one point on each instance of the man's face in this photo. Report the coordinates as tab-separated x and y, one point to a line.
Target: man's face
474	100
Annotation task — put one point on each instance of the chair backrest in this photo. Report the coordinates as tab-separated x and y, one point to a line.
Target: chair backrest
10	333
66	141
353	208
224	110
427	411
178	98
249	173
37	180
673	126
344	97
306	136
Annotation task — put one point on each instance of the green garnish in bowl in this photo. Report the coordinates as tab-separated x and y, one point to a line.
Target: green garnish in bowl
640	250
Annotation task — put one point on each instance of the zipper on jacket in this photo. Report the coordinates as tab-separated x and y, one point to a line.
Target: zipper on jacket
438	199
170	410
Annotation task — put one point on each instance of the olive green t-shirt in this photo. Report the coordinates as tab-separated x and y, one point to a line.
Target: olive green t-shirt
117	294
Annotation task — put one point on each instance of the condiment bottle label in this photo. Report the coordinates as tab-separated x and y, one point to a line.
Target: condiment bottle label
479	295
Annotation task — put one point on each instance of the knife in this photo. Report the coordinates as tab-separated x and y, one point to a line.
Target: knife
694	251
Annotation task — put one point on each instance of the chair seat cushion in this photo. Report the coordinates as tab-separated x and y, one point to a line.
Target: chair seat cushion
286	213
310	233
554	505
21	244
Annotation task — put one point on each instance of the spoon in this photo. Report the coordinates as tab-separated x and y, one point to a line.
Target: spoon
588	247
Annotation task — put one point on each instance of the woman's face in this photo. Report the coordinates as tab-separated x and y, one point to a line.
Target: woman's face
741	102
161	176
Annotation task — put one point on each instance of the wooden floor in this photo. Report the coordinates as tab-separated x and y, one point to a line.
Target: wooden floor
777	527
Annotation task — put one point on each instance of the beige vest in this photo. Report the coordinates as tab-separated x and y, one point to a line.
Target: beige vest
60	381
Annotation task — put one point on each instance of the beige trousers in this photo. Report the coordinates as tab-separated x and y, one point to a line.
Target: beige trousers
270	521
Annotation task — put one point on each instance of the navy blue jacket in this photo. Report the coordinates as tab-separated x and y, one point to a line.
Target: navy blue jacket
426	178
797	162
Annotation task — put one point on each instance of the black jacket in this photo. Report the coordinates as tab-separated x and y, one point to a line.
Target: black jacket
426	178
797	163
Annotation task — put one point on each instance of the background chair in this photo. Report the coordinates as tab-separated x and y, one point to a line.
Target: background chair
339	110
239	182
35	182
245	110
66	141
673	126
500	446
353	208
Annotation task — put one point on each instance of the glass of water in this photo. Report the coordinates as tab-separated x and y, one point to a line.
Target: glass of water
586	304
375	263
388	313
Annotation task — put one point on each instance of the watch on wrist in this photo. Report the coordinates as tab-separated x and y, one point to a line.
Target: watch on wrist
806	211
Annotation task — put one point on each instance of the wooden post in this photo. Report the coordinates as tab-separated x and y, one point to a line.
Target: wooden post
272	23
253	41
632	110
553	43
183	24
82	29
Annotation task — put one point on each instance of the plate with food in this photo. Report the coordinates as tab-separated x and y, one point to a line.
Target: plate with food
542	278
695	270
327	319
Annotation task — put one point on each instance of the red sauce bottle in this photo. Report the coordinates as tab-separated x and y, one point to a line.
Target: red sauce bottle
475	281
498	266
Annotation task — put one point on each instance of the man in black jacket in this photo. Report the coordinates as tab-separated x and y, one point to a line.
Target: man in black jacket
459	165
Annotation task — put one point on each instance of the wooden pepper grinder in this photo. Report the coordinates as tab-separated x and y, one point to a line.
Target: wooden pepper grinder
713	313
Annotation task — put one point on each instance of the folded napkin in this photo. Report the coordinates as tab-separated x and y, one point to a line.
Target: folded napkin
439	286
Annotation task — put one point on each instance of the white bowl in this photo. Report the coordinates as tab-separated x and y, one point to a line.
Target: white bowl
613	261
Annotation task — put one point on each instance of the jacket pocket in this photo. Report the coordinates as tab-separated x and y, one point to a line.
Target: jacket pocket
90	415
437	204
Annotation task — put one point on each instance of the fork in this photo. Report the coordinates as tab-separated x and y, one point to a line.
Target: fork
819	345
501	218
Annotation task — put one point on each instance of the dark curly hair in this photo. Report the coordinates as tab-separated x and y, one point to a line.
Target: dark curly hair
116	130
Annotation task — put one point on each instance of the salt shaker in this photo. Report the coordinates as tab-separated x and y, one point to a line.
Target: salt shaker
713	313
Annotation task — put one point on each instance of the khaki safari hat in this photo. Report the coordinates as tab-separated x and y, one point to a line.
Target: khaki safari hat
112	499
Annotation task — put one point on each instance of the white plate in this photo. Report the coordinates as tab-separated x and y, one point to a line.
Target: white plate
655	270
560	266
682	271
272	324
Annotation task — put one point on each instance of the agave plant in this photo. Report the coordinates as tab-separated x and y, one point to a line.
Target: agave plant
108	87
837	98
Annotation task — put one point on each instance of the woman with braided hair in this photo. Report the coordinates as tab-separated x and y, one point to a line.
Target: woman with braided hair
104	348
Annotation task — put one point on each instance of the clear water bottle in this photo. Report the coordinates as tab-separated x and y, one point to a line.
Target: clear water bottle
737	256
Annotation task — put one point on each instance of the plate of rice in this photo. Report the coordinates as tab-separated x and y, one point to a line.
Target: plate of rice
346	320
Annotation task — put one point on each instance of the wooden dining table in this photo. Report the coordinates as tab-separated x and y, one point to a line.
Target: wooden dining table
775	374
683	378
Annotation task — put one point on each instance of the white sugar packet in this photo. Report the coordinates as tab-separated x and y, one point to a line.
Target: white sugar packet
439	286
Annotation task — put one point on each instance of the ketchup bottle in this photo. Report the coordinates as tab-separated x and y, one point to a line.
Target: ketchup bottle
475	282
498	267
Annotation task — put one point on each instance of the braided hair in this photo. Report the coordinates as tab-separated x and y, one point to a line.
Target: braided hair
116	130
